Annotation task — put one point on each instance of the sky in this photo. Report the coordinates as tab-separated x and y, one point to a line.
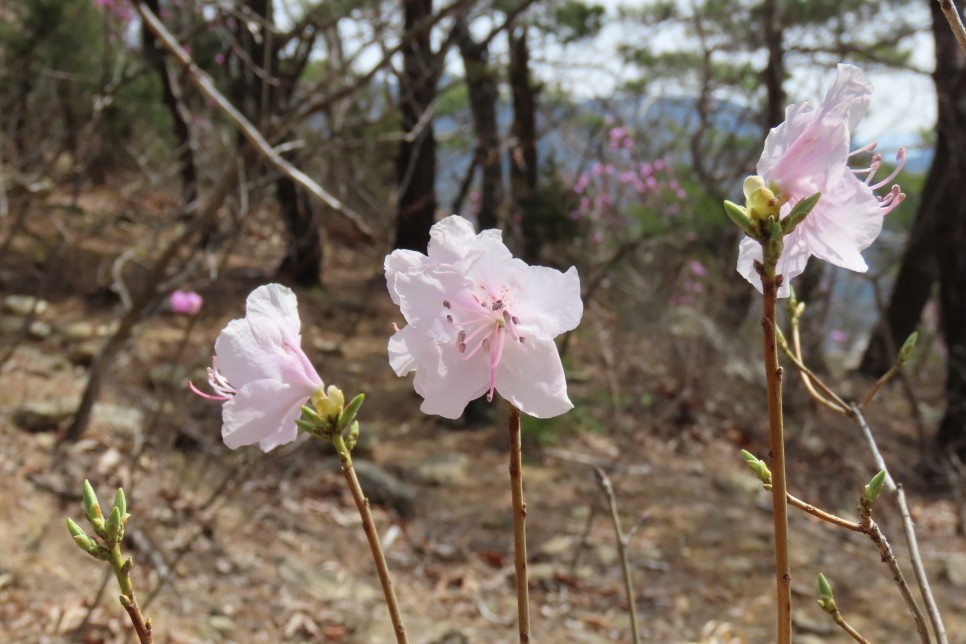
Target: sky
903	103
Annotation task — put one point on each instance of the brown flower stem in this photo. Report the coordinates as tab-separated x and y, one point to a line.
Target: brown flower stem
622	540
823	515
519	524
141	626
369	526
773	374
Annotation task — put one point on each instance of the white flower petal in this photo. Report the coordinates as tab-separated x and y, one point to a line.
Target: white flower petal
452	238
447	382
400	261
405	346
276	303
262	411
551	304
467	305
543	397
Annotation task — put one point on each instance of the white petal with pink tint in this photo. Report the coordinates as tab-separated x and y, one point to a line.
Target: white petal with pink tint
481	321
809	153
261	372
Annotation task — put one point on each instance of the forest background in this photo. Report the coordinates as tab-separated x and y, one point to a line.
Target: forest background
300	142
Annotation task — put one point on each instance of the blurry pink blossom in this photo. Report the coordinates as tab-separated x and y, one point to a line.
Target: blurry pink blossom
697	268
808	153
617	135
120	9
219	59
838	336
480	321
260	372
185	302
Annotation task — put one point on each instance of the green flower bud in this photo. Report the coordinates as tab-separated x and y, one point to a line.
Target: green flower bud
759	198
330	405
871	492
120	503
353	436
112	533
799	212
127	565
776	243
306	425
761	471
350	412
739	215
74	529
825	598
90	503
907	348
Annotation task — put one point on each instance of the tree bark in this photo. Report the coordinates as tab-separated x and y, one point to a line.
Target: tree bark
523	152
173	100
302	264
416	163
482	89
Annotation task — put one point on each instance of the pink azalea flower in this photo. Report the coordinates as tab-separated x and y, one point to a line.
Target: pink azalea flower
480	321
260	372
185	302
809	153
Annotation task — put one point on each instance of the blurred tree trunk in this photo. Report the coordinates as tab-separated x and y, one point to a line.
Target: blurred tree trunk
416	163
173	100
775	68
935	247
919	269
302	263
261	92
482	89
523	151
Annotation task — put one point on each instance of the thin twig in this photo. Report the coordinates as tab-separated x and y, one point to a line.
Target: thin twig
908	526
881	382
622	541
369	526
205	85
888	557
519	524
823	515
827	398
955	22
845	626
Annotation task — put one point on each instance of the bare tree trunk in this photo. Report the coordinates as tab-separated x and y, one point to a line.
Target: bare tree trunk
302	263
941	196
482	88
173	99
416	164
775	69
523	152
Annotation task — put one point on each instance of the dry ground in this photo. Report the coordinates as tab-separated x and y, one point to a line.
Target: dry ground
247	547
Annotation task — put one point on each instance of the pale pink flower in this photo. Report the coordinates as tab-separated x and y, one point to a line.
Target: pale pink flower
185	302
479	322
809	153
261	373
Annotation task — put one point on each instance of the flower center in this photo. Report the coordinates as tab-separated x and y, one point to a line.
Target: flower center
484	320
